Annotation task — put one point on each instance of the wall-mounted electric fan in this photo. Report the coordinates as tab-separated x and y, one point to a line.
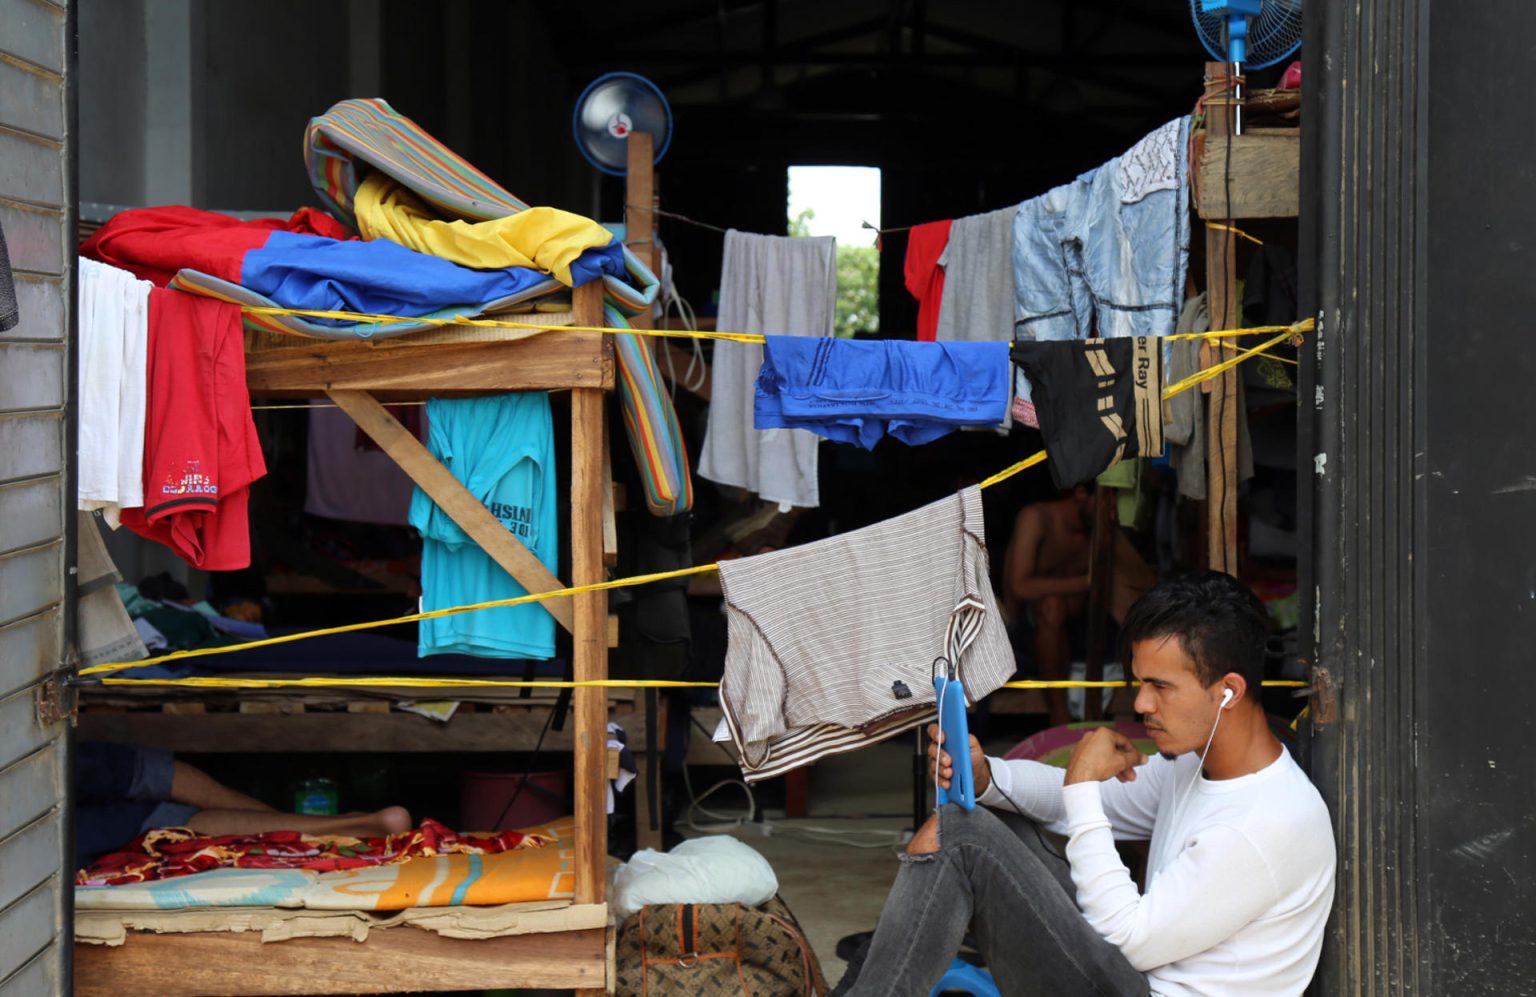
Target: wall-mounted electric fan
609	109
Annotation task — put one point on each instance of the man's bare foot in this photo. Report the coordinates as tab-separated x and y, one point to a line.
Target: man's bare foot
394	820
377	824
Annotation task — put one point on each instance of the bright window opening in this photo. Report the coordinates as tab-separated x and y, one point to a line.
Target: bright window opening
837	201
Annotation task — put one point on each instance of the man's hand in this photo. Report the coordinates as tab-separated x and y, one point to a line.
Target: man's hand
981	775
1104	754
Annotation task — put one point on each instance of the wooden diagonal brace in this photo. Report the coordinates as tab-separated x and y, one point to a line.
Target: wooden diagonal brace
453	498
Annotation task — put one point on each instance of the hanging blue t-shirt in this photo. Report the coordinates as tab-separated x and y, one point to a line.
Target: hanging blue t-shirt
502	448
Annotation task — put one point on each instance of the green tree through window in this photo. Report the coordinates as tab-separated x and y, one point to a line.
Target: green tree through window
858	282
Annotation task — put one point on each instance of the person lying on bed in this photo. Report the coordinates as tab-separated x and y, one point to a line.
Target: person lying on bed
1240	872
121	791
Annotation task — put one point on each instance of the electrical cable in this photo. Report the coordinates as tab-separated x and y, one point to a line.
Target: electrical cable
729	822
517	790
695	802
778	828
1205	751
840	835
693	377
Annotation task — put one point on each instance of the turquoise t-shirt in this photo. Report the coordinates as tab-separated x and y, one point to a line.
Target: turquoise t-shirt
502	448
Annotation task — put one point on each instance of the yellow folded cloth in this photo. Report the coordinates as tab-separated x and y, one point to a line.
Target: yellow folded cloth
546	239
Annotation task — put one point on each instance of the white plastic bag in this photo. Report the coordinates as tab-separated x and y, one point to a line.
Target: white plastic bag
713	870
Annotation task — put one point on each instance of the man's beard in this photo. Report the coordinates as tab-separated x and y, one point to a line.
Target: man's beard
1168	755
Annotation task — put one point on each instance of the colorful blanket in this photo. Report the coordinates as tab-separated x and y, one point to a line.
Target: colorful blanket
650	422
165	853
365	135
302	263
355	139
518	875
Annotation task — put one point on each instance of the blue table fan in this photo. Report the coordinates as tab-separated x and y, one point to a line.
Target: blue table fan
609	109
1255	33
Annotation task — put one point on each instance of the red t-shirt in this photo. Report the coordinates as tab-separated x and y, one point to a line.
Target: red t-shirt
924	276
201	452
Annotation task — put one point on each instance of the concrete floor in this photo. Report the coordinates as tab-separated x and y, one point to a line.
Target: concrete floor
833	888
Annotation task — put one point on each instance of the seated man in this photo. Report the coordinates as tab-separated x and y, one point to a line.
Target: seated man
122	791
1241	866
1046	570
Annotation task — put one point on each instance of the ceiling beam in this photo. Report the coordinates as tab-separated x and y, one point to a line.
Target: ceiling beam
1087	67
683	17
1155	18
993	59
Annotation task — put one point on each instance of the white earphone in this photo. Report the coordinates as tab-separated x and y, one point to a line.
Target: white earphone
1226	697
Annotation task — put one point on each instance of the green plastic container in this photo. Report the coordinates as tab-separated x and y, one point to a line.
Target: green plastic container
316	796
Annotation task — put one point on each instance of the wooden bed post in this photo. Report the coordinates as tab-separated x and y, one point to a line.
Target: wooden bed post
1221	282
639	198
1101	588
591	612
640	235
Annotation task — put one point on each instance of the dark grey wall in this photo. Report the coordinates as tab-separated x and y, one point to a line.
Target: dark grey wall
1477	362
262	70
206	103
111	79
1419	212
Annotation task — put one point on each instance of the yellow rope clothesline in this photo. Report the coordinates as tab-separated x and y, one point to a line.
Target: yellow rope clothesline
214	682
417	682
365	318
201	652
741	337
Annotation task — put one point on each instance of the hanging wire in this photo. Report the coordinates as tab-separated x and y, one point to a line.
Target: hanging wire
677	217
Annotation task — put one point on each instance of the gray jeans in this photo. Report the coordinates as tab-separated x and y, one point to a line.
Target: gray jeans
994	874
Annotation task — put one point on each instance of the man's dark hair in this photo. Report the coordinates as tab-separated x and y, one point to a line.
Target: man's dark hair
1218	621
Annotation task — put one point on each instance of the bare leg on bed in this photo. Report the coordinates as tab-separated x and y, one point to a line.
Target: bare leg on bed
390	820
222	810
194	787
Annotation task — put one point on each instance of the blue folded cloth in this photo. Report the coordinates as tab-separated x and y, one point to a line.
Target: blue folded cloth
858	391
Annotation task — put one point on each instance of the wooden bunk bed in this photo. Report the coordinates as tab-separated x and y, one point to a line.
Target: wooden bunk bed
576	951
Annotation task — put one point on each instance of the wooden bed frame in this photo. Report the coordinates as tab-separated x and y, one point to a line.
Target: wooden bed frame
356	375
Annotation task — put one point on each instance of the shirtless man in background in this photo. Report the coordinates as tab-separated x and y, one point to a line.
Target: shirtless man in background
1046	567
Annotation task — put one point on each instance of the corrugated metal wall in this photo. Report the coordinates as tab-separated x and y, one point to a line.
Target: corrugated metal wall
1417	226
35	477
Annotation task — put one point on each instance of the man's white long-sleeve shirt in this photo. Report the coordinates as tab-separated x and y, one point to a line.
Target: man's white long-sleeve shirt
1239	877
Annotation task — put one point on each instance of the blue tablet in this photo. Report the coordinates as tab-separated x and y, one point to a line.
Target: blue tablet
951	699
